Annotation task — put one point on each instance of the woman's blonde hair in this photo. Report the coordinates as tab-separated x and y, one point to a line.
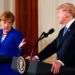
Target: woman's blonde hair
7	15
68	7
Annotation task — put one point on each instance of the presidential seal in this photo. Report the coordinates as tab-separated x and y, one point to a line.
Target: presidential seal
21	65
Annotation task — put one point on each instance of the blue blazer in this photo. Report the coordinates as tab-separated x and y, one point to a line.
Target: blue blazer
64	46
9	48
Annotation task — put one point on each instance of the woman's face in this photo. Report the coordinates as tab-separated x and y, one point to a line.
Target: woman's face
6	25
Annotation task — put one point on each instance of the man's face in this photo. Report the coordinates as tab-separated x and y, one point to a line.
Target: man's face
6	25
62	16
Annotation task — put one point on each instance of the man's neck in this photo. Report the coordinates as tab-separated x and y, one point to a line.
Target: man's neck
70	22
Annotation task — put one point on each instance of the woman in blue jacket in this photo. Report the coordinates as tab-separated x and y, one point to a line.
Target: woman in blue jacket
10	42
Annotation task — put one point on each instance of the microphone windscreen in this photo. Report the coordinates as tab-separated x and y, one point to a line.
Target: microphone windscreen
50	31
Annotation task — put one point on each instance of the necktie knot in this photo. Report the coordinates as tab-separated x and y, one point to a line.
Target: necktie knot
65	30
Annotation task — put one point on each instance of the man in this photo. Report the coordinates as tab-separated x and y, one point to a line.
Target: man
64	44
11	42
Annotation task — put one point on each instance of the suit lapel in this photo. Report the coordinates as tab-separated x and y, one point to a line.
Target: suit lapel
69	33
60	39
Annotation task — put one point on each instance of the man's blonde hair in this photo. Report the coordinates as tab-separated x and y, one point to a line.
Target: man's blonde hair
67	7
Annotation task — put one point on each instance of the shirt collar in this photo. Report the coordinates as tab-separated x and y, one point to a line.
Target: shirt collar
70	22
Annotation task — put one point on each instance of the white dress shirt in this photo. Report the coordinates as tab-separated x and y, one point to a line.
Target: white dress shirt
70	22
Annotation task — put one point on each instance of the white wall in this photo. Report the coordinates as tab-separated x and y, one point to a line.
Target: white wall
47	20
7	5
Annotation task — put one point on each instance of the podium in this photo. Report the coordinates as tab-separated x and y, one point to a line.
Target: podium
42	68
37	68
26	67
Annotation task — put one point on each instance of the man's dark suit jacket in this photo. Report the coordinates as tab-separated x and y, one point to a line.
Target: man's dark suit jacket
64	46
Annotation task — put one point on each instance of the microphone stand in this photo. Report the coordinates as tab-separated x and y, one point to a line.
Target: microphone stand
33	61
42	36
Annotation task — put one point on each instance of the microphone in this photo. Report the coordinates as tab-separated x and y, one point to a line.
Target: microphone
49	32
44	34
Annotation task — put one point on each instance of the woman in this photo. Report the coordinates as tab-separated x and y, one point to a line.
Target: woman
10	42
